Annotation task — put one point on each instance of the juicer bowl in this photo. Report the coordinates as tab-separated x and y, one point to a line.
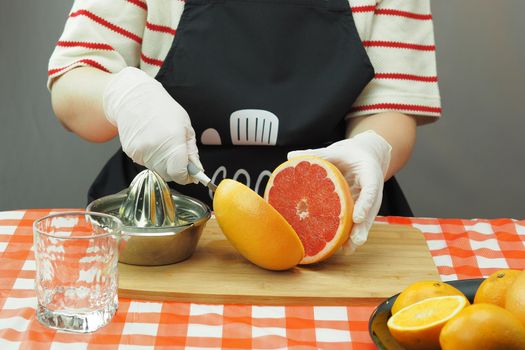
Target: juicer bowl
153	246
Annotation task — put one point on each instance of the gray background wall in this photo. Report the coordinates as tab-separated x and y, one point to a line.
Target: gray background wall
469	164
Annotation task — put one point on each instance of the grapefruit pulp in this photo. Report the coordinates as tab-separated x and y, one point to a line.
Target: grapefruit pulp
314	197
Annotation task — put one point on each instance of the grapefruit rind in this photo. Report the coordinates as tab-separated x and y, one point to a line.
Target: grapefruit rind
346	204
254	228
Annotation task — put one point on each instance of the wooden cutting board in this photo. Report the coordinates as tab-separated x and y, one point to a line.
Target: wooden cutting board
393	257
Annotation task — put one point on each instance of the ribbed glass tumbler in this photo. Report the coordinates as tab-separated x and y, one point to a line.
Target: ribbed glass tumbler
76	281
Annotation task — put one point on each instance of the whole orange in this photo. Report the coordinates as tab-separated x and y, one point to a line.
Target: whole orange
515	297
423	290
255	228
494	288
483	326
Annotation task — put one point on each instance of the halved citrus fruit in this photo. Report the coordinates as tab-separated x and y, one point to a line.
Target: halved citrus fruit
314	197
418	326
254	228
423	290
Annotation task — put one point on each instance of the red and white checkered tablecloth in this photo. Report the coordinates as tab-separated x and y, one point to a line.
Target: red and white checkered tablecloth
460	248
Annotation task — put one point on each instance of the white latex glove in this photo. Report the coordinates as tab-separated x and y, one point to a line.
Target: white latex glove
363	160
154	130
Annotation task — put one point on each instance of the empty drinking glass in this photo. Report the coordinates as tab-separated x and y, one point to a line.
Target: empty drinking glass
76	282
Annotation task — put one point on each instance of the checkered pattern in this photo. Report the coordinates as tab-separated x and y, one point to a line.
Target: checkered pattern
471	248
460	248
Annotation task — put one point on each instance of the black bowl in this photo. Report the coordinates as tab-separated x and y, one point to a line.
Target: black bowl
377	325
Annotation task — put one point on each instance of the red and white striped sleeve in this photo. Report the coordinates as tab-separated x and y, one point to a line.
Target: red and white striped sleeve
399	40
105	34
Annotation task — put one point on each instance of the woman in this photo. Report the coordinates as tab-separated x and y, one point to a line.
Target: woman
236	86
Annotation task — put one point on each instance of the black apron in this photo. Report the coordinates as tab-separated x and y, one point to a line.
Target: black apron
260	78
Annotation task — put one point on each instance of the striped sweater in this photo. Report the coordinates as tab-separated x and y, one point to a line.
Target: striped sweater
397	35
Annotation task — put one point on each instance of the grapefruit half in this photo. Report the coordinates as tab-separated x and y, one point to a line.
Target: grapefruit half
314	197
254	228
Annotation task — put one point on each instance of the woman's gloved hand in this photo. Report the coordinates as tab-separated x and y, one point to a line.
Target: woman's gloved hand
154	130
363	160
